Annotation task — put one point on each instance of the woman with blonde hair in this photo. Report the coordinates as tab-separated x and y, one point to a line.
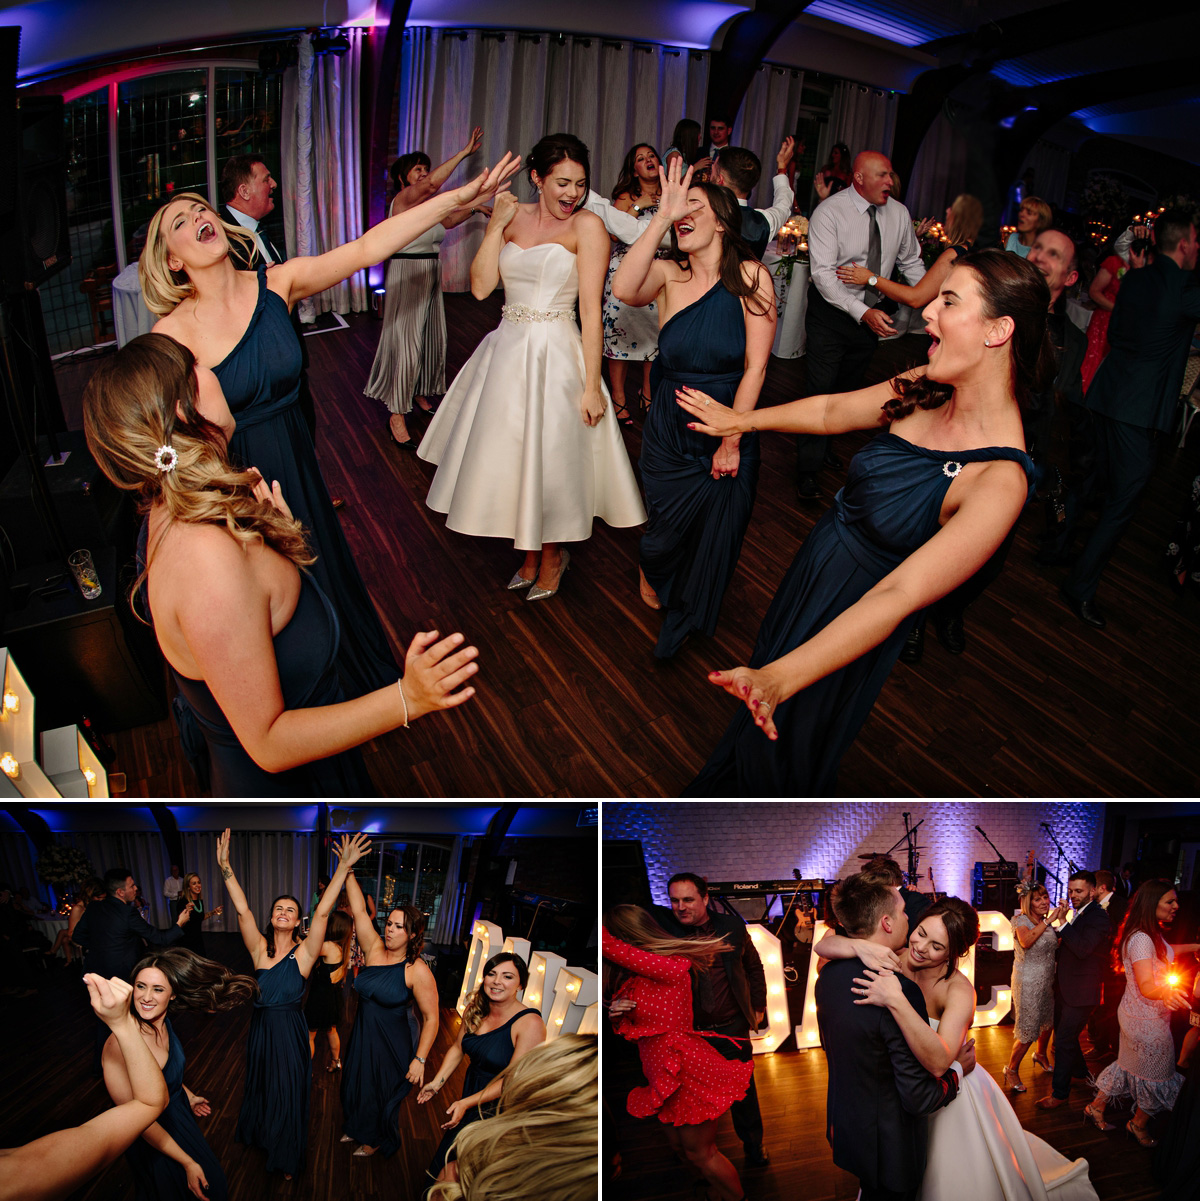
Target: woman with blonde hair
1035	951
191	896
1033	216
498	1029
690	1084
237	324
251	638
548	1111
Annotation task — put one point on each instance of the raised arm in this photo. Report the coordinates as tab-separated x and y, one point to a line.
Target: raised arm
364	926
56	1165
663	968
959	549
592	254
640	276
443	171
252	936
349	852
300	277
485	266
449	1065
870	954
424	989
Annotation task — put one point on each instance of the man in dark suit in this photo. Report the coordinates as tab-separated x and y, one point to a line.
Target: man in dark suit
247	199
878	1092
1135	396
729	999
111	932
1083	948
1103	1027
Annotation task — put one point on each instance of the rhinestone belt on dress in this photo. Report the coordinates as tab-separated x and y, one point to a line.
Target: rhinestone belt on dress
522	312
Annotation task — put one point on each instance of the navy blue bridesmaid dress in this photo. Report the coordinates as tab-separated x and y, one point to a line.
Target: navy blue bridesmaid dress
489	1054
377	1058
889	507
156	1176
274	1114
697	523
261	381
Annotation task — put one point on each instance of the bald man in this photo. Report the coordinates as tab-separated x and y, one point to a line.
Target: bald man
864	226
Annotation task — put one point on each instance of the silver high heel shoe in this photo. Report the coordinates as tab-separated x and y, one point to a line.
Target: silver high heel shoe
536	594
519	581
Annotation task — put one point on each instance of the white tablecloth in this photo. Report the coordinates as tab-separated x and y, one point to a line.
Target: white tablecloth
49	927
130	315
791	299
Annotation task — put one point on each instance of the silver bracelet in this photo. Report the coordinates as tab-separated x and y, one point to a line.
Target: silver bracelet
400	685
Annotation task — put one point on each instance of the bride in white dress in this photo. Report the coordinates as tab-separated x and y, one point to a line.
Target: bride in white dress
526	442
977	1146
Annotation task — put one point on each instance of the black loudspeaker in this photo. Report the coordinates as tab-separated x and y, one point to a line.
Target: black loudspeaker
34	242
624	880
1000	895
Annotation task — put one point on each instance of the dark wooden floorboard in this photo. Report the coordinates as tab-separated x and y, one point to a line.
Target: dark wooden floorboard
572	702
46	1084
791	1090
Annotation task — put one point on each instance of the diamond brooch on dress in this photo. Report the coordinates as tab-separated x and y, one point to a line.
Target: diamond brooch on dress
951	468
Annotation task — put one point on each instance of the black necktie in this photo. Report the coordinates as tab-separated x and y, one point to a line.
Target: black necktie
874	256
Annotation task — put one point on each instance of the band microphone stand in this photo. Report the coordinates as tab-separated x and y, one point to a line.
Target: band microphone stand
996	848
1062	854
910	837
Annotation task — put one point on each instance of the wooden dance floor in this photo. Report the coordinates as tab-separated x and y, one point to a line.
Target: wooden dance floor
571	701
791	1093
46	1084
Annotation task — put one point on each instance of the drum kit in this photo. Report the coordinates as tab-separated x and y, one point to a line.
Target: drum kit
913	875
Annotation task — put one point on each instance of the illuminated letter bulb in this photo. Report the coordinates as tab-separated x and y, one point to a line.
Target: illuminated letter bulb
12	702
10	766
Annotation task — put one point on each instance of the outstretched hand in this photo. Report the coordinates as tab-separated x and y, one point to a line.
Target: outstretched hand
109	998
757	690
674	181
474	141
434	670
714	418
223	853
351	849
785	153
489	182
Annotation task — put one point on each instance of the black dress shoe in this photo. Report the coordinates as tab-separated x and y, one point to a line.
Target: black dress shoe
951	635
756	1157
1086	610
914	645
806	488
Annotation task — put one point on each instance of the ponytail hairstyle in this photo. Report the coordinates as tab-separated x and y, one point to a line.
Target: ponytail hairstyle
142	400
555	148
1009	286
478	1006
196	983
735	250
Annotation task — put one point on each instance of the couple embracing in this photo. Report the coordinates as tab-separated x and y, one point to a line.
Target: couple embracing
908	1114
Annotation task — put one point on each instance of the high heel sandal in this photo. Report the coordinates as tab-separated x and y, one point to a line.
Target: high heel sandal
1009	1077
645	402
1139	1135
335	1065
1091	1117
1042	1061
621	413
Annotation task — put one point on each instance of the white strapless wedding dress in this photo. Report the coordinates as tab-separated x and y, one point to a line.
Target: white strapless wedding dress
978	1149
515	459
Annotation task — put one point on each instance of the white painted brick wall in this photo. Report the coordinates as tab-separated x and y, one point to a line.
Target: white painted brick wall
746	840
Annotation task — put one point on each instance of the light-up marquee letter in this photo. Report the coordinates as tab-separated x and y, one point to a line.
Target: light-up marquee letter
576	996
486	940
807	1034
543	972
998	928
770	951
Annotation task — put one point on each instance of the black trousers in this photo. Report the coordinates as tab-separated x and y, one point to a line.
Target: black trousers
1068	1057
747	1120
836	355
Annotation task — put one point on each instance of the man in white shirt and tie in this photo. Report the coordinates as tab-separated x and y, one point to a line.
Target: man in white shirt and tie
860	224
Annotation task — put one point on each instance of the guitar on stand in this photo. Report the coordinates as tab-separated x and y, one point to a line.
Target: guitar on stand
932	885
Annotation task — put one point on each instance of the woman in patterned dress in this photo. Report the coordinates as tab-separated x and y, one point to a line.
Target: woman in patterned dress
1145	1065
690	1083
1035	946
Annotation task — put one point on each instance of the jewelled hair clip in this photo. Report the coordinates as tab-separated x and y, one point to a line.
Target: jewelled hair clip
165	458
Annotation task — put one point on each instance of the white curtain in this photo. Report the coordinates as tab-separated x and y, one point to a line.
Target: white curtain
144	854
768	114
322	173
521	86
939	171
446	926
18	866
863	117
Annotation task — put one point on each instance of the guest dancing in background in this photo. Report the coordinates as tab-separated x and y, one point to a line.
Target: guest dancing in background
252	641
274	1113
236	323
497	1030
190	897
836	173
690	1084
630	334
381	1065
525	443
925	505
171	1161
687	147
717	307
1102	292
323	1006
1144	1069
410	361
1035	946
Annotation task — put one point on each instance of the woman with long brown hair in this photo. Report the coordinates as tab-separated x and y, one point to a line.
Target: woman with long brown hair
690	1084
1144	1069
323	1007
926	504
716	308
251	637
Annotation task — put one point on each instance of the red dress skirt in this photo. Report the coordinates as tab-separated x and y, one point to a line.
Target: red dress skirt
688	1081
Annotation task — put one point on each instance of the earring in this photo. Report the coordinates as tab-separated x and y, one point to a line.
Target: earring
986	342
539	191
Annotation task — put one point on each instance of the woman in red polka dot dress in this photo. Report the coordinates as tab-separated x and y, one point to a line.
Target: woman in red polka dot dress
690	1085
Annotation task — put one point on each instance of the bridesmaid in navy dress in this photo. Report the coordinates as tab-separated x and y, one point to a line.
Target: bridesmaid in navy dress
237	323
497	1029
717	306
381	1066
925	505
274	1113
171	1161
